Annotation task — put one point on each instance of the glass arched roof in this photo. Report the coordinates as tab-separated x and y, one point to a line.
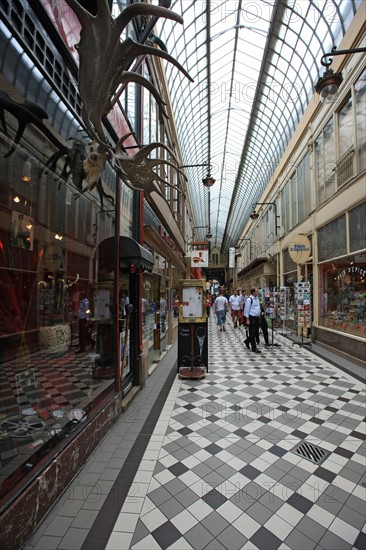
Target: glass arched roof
254	64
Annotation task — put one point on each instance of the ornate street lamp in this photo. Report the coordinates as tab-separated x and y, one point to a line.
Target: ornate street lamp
328	85
254	215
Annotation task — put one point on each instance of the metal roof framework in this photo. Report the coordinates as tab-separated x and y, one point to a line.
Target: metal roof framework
254	65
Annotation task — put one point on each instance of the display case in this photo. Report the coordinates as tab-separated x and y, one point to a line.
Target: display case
192	308
192	330
342	304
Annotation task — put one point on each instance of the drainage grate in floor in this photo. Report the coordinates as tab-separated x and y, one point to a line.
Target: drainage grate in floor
311	452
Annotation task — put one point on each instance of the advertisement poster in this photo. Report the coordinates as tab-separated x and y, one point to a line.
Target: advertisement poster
192	346
192	302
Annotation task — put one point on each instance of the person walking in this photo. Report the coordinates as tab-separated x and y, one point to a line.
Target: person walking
208	304
234	302
221	306
252	318
264	327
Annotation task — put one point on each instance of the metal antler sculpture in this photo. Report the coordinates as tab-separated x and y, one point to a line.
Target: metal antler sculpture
137	171
103	57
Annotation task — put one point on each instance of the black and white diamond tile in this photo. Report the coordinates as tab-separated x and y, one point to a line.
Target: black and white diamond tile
224	474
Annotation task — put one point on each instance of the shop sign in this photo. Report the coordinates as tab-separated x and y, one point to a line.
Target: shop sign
169	241
53	257
300	249
231	257
199	254
352	269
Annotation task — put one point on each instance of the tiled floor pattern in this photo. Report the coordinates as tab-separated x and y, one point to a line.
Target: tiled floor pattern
83	516
219	473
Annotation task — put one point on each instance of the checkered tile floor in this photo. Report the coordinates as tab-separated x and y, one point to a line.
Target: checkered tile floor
219	473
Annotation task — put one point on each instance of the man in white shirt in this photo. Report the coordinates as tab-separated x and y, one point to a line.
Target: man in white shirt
220	307
234	302
252	311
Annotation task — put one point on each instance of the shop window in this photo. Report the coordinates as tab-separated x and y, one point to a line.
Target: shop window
48	270
357	227
342	295
332	239
360	102
288	263
289	280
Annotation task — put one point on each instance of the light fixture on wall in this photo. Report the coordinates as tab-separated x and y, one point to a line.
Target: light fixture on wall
254	215
328	85
26	174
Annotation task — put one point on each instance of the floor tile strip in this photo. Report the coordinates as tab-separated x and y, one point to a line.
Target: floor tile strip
99	534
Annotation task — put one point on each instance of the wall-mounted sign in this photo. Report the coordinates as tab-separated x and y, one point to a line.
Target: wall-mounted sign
300	249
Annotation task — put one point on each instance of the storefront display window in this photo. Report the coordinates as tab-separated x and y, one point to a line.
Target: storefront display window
55	311
332	239
357	227
289	279
342	294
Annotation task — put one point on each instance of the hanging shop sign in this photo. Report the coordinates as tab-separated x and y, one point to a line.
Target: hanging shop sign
199	253
169	241
231	257
300	249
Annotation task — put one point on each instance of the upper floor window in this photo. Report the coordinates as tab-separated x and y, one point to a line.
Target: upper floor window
215	259
360	107
345	127
325	163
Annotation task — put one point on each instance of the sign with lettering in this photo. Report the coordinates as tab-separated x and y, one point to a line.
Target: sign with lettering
300	249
